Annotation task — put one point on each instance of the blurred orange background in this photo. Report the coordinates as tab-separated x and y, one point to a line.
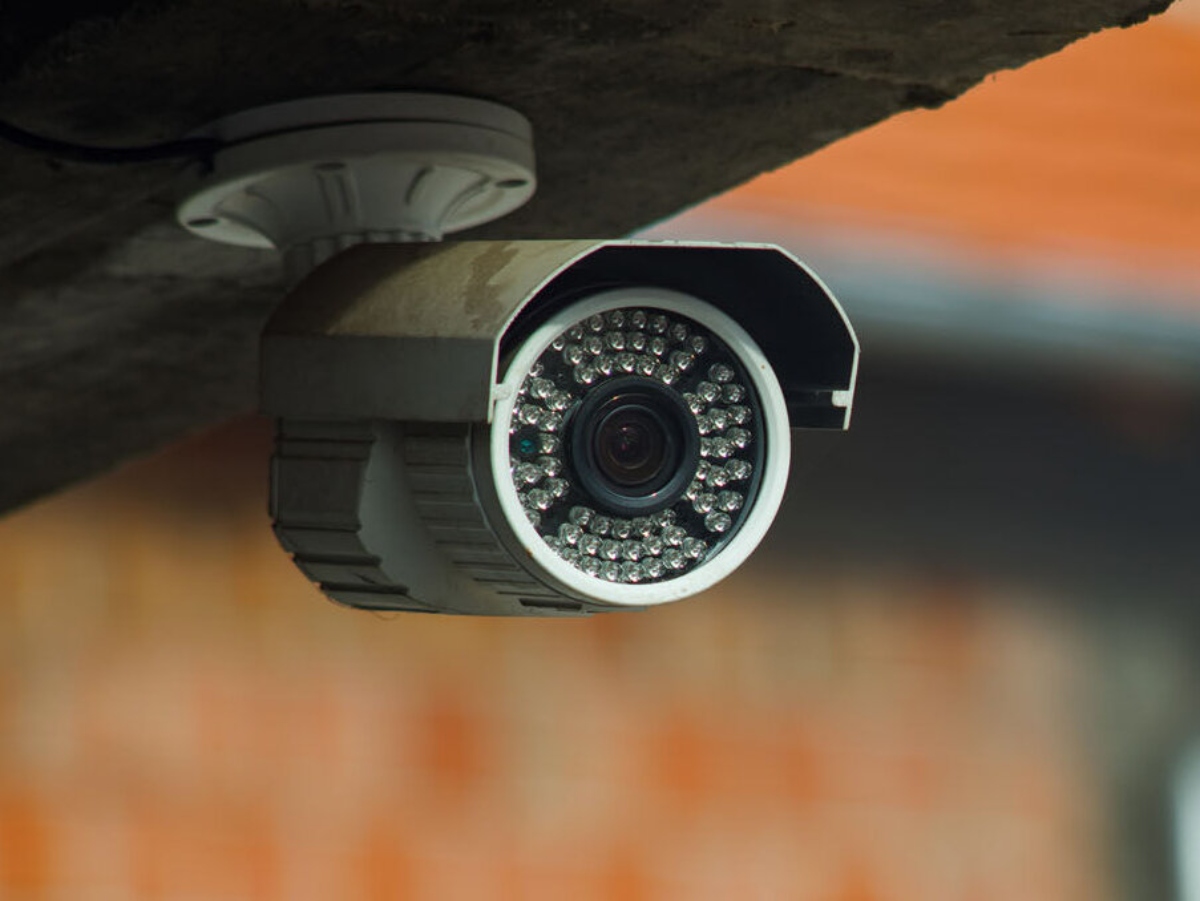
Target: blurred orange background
183	716
1090	155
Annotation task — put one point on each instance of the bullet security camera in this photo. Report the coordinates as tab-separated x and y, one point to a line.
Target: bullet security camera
543	427
513	428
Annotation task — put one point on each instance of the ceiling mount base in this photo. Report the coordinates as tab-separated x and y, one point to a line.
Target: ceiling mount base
310	177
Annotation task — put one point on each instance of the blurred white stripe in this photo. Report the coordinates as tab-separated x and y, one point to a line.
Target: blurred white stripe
1187	825
910	294
1185	12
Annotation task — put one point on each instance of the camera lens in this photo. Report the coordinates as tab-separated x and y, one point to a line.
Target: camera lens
630	447
634	445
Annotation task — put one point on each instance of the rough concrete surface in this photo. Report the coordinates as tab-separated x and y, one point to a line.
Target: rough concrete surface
120	332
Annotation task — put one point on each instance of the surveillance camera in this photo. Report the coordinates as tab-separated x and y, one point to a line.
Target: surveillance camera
543	427
515	428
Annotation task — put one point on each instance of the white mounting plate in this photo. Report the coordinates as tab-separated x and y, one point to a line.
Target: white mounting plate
360	167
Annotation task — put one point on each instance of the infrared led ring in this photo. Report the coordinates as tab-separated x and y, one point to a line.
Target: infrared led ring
641	446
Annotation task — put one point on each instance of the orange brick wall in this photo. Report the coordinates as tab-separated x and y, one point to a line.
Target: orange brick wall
184	717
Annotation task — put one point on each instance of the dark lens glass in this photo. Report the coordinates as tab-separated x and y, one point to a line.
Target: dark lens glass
631	446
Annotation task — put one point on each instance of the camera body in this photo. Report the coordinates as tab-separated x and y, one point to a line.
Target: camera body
543	427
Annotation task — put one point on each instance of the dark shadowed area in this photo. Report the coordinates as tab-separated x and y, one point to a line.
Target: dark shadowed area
122	333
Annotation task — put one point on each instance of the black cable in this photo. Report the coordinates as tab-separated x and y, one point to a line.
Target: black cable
201	149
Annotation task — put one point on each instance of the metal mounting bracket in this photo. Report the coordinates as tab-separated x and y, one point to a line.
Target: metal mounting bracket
311	177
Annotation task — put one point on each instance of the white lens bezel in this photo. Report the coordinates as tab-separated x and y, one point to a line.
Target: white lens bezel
773	477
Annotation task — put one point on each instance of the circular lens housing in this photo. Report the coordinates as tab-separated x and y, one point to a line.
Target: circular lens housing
641	446
634	445
631	448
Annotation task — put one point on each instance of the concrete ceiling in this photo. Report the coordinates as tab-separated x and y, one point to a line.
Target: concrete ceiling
121	333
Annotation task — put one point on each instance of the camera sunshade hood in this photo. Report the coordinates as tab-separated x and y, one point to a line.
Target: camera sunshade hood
376	318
